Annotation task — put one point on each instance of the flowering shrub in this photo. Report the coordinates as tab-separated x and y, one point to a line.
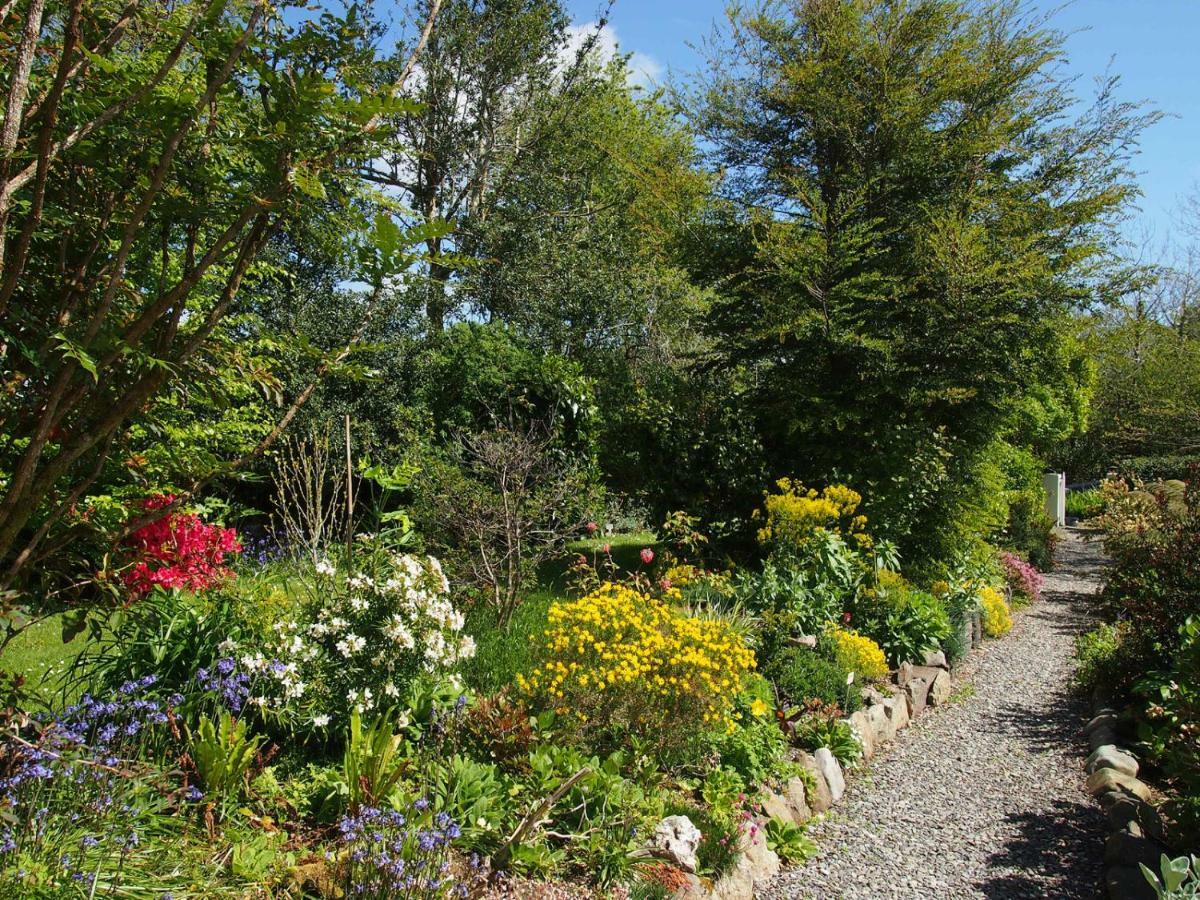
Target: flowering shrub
996	617
391	854
360	639
795	514
858	653
618	658
178	551
1021	576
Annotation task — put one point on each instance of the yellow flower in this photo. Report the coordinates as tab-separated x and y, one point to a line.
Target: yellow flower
759	708
859	654
996	618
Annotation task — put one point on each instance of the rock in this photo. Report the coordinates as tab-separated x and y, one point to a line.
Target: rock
880	722
820	798
1127	883
966	632
806	640
917	691
693	890
939	690
1104	719
1122	809
797	800
776	806
1109	756
735	885
904	673
1103	780
761	862
976	629
1130	847
675	840
872	695
861	724
831	770
897	710
1101	737
936	659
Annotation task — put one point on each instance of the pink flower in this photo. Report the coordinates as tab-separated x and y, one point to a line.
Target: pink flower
845	618
606	549
665	584
591	527
647	556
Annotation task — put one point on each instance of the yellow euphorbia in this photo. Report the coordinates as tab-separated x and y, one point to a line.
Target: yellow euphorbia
795	514
625	659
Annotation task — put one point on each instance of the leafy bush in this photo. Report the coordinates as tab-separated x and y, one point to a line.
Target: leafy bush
789	841
1180	878
1098	657
1030	530
752	750
1085	504
801	674
904	621
996	617
223	752
619	660
857	653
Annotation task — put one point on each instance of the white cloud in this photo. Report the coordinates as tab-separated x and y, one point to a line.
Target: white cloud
644	70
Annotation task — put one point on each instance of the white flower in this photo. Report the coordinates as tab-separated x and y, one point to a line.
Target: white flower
360	604
227	647
391	690
466	647
321	721
325	567
350	644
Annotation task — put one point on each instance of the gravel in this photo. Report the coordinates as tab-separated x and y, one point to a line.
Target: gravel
984	797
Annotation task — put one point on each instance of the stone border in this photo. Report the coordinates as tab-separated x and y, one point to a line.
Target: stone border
1135	827
887	712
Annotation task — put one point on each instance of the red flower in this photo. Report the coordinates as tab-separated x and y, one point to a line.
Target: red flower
845	618
606	549
591	527
647	556
178	551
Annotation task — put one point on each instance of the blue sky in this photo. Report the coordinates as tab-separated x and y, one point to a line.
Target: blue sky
1152	44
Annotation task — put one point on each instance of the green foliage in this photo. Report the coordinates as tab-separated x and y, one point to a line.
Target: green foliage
372	762
1098	657
789	841
501	653
224	753
752	750
814	732
1180	877
889	301
801	674
1085	504
904	621
476	795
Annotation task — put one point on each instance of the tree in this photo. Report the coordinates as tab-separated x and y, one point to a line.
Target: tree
910	212
147	157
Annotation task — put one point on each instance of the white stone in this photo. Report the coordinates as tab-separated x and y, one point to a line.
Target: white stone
675	839
831	771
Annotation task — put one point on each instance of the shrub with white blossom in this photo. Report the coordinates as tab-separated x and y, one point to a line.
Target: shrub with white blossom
360	637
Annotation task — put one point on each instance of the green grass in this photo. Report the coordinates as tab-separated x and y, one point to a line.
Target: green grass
500	653
39	654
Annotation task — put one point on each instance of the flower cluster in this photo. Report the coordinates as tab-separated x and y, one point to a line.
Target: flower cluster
857	653
1022	577
620	658
361	638
996	617
178	551
73	801
795	514
387	853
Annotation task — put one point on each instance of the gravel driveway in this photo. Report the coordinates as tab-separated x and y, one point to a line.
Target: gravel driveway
984	797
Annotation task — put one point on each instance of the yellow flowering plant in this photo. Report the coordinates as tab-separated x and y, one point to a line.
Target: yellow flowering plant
996	617
795	514
858	653
619	659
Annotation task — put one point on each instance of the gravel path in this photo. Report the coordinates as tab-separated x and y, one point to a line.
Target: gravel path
984	797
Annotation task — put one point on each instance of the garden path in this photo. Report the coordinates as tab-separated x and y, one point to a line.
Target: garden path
984	797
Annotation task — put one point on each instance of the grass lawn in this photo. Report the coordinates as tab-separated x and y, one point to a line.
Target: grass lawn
39	654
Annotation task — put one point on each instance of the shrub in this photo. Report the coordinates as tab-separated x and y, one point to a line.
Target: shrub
619	659
904	621
177	550
996	618
857	653
1098	657
360	637
1021	576
1085	504
801	674
1030	530
794	515
815	732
